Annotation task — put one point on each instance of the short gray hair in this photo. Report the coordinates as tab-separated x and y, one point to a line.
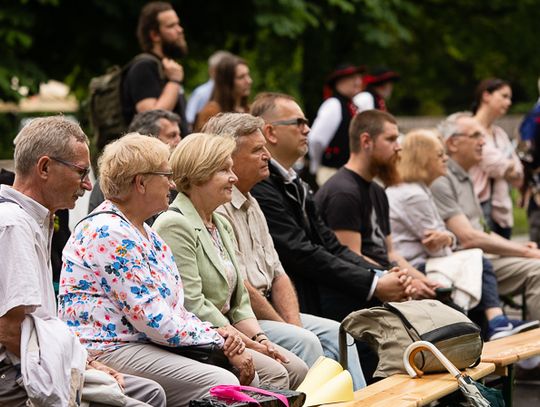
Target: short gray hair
216	58
46	136
147	122
449	126
233	124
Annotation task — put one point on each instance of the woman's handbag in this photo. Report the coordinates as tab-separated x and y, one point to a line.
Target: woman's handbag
208	353
244	396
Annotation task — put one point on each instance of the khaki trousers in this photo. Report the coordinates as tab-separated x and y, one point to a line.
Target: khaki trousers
519	274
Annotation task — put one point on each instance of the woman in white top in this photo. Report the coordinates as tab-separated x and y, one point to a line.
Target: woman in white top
419	232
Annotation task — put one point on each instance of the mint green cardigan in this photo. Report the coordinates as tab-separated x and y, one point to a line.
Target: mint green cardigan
203	277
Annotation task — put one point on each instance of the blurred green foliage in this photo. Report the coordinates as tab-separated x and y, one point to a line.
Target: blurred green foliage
442	48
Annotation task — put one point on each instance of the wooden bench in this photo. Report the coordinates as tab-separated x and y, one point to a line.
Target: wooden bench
507	351
403	391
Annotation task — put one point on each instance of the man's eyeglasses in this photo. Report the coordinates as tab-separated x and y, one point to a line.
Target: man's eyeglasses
167	174
474	136
82	171
299	122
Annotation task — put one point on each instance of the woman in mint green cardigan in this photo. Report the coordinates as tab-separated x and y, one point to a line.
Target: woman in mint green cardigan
203	245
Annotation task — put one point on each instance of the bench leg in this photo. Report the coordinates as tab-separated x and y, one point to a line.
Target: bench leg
508	386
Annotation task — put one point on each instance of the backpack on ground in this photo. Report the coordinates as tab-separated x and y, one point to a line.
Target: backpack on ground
389	329
105	102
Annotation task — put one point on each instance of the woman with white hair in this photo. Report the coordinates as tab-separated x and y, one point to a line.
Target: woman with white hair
203	245
120	289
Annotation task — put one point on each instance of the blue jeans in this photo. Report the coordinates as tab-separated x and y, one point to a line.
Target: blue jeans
320	336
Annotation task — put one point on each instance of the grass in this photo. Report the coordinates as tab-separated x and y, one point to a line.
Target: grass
521	224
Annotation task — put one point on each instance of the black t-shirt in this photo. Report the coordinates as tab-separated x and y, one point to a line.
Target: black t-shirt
349	202
142	81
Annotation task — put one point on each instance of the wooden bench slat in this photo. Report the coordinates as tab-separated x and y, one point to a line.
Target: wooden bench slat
403	391
506	351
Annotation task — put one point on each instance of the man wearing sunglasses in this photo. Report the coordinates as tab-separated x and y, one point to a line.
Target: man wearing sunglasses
321	268
52	163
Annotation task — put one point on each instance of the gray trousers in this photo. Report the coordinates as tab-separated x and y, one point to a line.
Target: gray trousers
183	379
140	392
280	376
519	274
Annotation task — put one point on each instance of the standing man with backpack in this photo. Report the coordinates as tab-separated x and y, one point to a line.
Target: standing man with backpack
155	80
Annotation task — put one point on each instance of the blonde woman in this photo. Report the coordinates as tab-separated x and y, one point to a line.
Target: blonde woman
203	244
120	289
419	232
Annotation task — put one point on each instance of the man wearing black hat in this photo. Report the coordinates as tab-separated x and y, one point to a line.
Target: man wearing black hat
379	87
329	140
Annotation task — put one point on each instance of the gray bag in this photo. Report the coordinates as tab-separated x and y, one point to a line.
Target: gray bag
391	328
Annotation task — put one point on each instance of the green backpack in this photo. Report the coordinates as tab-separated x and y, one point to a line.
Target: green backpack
105	102
389	329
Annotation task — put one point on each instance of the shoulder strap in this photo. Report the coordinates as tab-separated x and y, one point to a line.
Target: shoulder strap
146	56
2	200
98	213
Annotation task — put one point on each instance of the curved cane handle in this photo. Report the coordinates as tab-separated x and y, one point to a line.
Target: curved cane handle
414	348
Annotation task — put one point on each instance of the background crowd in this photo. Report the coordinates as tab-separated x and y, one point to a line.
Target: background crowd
203	233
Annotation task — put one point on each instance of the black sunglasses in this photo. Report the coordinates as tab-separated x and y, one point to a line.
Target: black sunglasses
299	121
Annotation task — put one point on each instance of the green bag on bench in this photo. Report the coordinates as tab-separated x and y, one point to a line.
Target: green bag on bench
389	329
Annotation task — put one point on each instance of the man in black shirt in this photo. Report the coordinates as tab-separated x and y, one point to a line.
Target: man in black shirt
330	279
155	81
356	208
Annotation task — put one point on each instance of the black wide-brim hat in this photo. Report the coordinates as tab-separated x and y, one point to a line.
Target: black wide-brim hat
342	71
380	76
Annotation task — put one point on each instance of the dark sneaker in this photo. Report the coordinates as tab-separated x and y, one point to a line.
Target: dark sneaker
501	327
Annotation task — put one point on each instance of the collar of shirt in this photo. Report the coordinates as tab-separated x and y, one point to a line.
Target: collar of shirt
239	200
37	211
288	175
458	171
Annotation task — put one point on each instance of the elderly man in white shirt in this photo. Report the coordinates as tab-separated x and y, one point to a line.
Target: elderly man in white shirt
52	163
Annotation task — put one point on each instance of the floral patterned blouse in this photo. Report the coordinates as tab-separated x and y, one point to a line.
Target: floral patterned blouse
117	287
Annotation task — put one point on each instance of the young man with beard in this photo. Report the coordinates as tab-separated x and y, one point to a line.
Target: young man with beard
331	280
155	82
356	208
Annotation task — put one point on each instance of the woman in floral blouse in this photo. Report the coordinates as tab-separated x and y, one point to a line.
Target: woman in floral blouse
204	245
120	289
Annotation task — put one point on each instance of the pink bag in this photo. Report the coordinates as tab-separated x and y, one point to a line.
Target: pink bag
234	393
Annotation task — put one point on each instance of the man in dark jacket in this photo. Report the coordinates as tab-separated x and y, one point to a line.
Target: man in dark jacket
331	280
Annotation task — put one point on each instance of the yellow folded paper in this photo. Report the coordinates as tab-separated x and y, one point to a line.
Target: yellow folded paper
326	382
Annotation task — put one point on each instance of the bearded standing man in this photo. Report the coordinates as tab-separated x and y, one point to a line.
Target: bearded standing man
356	208
156	82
